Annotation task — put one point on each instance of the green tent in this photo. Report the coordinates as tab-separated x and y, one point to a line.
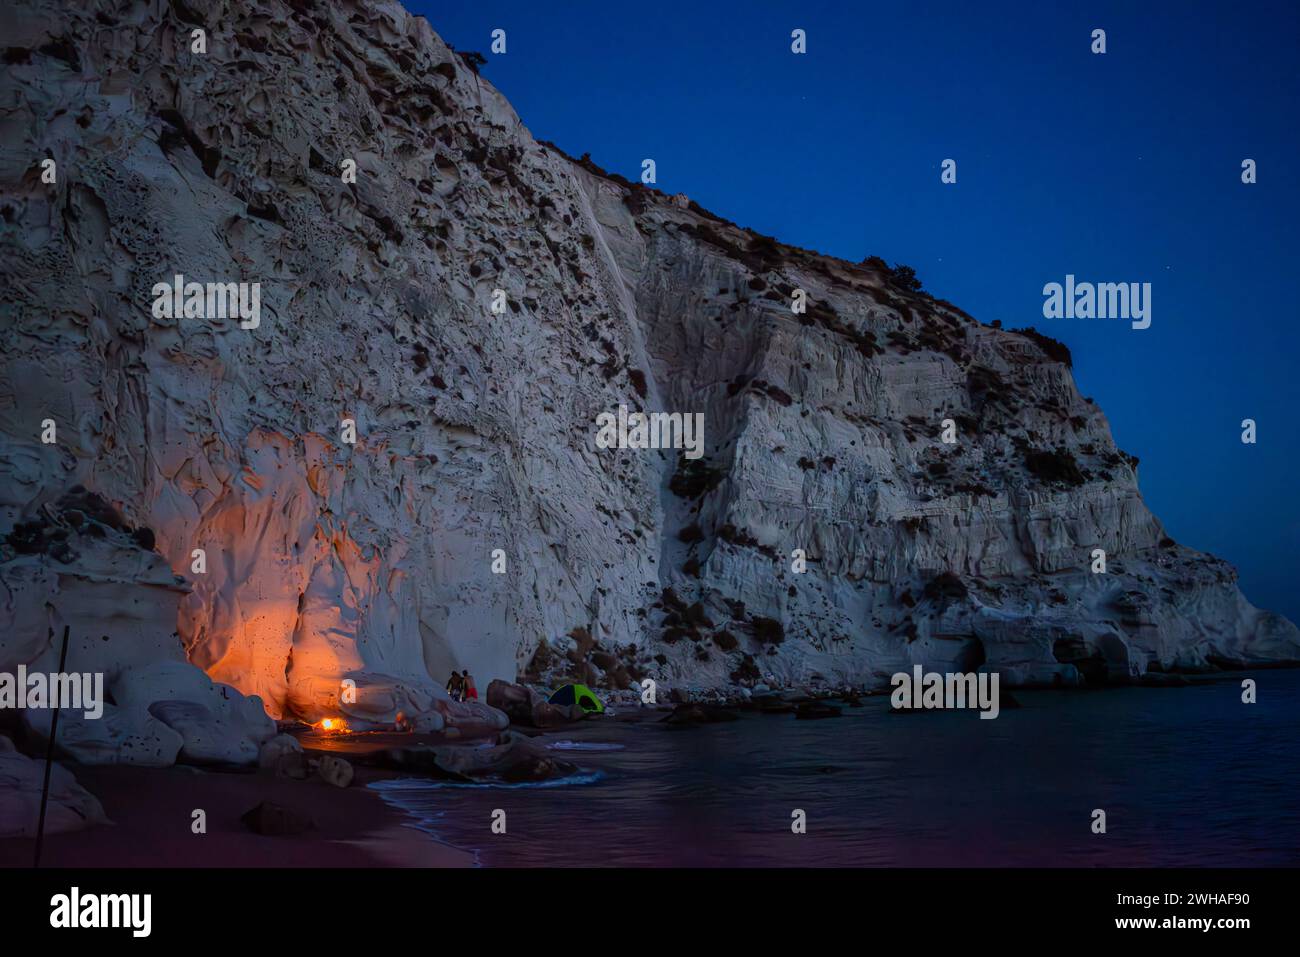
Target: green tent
580	695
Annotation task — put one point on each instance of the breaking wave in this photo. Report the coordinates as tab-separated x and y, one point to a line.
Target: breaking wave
584	746
426	784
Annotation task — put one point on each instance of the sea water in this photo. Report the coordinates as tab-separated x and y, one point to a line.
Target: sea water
1187	776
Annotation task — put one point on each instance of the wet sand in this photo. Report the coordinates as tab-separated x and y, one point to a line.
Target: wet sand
152	809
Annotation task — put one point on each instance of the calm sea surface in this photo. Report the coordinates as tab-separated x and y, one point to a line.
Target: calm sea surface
1187	776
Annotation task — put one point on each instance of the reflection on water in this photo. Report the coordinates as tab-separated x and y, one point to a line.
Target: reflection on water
1187	776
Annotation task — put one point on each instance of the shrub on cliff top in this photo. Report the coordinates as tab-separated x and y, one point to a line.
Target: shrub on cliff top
768	251
1052	348
899	276
904	278
472	58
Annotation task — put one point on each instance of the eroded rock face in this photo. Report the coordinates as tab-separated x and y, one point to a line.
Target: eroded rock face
70	808
476	430
77	563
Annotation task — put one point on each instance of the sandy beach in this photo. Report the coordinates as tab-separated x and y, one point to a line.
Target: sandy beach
152	809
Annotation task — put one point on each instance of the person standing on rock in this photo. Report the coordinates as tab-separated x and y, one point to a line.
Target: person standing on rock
471	692
456	687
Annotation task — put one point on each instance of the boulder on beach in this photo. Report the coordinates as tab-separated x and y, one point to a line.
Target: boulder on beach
276	820
216	724
471	718
423	707
547	715
70	808
375	701
512	758
162	712
524	706
119	736
206	739
334	770
283	754
515	700
431	722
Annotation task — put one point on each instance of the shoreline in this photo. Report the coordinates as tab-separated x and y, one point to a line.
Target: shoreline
152	812
152	808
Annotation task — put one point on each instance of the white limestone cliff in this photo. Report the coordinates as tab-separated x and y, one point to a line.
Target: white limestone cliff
476	430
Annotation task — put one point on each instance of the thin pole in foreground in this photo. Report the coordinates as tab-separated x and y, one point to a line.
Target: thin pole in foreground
49	754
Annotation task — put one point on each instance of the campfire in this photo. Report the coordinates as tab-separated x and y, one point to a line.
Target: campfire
331	726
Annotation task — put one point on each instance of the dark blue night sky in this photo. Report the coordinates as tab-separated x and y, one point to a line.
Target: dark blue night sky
1124	167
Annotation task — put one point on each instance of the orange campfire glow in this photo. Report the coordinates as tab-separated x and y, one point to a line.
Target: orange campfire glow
331	725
